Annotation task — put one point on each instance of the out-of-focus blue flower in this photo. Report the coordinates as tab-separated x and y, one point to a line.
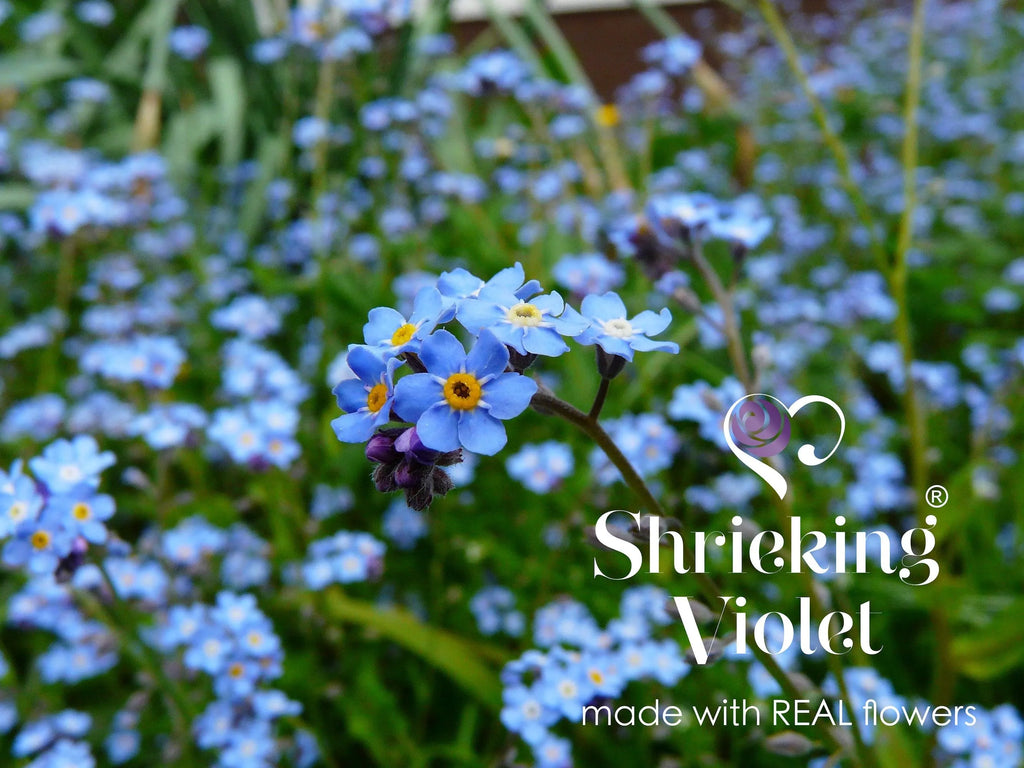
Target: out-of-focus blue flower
616	334
403	525
82	512
189	42
648	442
65	464
343	558
39	545
541	467
588	273
494	609
462	399
99	13
675	55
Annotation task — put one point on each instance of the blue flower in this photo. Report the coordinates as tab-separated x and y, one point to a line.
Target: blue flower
82	512
461	399
460	285
39	545
367	399
63	464
390	333
616	334
742	227
530	327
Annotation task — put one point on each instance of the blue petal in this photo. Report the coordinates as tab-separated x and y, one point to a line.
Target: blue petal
571	323
353	427
509	395
650	323
365	364
442	353
643	344
616	346
551	303
544	341
488	357
459	283
438	428
530	288
476	314
415	394
605	307
479	432
511	335
382	324
588	335
427	308
351	395
509	279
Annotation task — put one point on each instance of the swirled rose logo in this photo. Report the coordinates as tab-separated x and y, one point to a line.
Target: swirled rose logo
758	427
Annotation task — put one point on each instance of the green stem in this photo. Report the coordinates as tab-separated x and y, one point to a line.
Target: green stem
730	328
602	393
832	140
118	614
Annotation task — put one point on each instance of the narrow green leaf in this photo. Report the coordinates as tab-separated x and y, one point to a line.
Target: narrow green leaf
450	654
26	69
229	97
16	197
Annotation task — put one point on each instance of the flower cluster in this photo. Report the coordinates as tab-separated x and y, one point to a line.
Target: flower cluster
457	400
50	521
583	663
344	558
235	644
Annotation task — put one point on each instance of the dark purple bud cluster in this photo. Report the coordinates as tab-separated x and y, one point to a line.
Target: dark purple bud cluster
404	463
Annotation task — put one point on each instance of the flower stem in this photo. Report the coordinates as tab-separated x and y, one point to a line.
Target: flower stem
835	145
119	614
602	393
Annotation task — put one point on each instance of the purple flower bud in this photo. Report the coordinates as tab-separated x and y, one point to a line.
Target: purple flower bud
381	449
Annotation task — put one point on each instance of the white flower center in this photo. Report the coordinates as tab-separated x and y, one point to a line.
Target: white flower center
619	328
525	315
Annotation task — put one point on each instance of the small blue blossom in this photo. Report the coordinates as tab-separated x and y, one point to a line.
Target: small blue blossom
367	399
389	333
462	399
616	334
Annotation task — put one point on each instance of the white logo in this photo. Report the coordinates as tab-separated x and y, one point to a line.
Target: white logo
761	425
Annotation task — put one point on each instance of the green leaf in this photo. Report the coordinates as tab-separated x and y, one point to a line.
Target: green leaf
229	97
16	197
27	68
993	649
449	653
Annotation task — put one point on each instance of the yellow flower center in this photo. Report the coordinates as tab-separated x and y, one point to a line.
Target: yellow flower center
596	677
81	511
525	315
236	670
378	395
607	115
41	539
462	391
402	335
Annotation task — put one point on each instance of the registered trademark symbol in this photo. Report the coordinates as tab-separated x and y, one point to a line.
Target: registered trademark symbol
936	496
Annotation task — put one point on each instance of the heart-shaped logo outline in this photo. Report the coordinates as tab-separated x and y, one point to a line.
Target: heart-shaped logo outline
806	453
